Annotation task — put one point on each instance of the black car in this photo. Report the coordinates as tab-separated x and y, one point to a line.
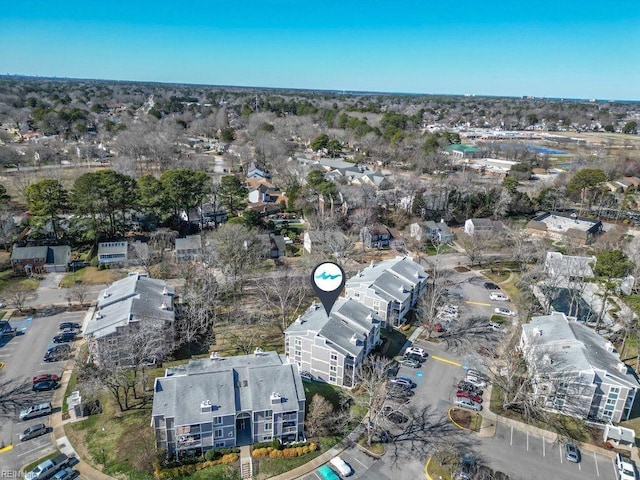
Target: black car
66	325
491	286
468	387
414	356
45	386
64	337
60	348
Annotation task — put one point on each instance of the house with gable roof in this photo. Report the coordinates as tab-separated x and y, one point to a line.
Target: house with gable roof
124	308
390	288
223	402
332	347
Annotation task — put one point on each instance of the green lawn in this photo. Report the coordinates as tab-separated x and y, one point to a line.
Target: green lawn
329	392
92	276
7	279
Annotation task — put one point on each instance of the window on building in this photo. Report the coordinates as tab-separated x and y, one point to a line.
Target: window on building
217	420
611	401
334	357
268	426
268	414
333	368
217	433
298	341
332	379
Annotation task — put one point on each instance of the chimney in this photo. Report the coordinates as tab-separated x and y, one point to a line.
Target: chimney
622	367
354	339
299	320
214	356
258	351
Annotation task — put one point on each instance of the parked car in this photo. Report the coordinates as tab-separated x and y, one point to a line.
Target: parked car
44	386
64	337
626	468
413	356
505	311
34	431
402	381
477	373
496	327
453	293
66	474
343	468
467	403
499	297
416	351
60	348
410	362
326	473
36	411
469	395
394	415
491	286
475	381
54	356
463	385
66	325
573	453
467	468
438	327
45	376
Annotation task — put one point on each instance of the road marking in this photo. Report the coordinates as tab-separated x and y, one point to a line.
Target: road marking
511	442
6	449
445	360
527	440
478	303
363	465
34	450
595	459
544	452
560	450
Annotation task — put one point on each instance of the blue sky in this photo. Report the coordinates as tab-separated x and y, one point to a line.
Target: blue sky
561	48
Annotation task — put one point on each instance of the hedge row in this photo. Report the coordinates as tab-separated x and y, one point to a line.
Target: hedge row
284	453
185	470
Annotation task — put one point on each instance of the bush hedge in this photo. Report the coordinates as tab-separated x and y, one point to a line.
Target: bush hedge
295	451
184	470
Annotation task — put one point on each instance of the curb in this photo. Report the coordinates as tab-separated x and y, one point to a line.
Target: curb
426	469
454	422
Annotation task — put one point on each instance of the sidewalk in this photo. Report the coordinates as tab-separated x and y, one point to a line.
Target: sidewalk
58	434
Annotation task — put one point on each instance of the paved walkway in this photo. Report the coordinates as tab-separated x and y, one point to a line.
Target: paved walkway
59	437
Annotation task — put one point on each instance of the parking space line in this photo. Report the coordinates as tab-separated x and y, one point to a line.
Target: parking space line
34	449
527	440
595	460
445	360
560	451
544	453
511	442
363	465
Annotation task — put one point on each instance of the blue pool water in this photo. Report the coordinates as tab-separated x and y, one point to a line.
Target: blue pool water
580	309
550	151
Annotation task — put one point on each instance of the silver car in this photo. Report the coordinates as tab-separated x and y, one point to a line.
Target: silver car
34	431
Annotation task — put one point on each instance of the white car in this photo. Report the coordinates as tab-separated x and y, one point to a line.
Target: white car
626	468
501	297
467	403
342	466
496	327
474	380
416	351
504	311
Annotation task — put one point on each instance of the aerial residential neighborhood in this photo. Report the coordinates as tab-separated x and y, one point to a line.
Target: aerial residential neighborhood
160	316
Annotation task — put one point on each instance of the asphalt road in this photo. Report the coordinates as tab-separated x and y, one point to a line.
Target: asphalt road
22	356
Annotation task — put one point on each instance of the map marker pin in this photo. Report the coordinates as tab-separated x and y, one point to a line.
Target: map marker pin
327	280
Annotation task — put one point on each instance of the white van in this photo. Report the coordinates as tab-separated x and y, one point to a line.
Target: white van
500	297
342	466
467	403
35	411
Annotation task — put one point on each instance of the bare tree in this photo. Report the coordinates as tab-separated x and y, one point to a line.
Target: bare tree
372	375
285	292
17	295
474	247
322	419
79	292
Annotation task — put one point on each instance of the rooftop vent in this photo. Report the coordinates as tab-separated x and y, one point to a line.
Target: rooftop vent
354	339
622	367
206	406
99	316
258	351
214	356
106	294
165	291
275	398
299	320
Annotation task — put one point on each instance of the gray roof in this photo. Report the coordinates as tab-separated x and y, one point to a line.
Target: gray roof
348	317
136	297
232	384
269	239
569	265
55	255
564	222
573	346
391	279
190	242
27	253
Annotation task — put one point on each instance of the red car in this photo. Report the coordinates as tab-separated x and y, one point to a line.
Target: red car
469	395
46	377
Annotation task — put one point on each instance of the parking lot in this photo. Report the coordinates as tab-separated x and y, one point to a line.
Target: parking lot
23	359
